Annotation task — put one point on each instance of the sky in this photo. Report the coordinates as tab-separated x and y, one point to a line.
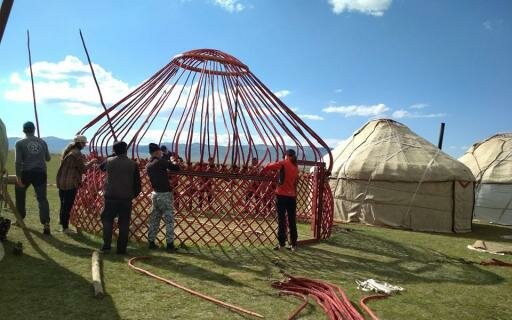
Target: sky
337	63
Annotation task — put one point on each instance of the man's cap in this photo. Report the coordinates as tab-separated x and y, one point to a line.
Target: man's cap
29	126
80	138
120	147
153	147
163	148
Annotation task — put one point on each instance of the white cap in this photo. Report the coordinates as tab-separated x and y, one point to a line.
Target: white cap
81	139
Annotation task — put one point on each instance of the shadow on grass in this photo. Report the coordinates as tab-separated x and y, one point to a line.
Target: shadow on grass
487	232
354	255
175	266
44	282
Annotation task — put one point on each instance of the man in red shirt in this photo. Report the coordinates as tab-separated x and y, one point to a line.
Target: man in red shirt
286	197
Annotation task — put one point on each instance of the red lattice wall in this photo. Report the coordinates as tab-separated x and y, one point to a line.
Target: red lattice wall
213	206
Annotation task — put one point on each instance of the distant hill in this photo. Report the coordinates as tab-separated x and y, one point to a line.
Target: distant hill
56	145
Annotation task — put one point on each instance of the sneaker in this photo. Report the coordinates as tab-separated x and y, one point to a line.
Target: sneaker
67	231
170	247
152	245
292	248
278	247
46	229
105	249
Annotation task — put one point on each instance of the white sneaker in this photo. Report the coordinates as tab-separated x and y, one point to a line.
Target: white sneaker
68	231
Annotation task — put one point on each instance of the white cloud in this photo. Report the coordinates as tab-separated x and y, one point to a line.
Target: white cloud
338	91
334	142
67	84
401	113
358	110
371	7
282	93
491	25
313	117
418	106
230	5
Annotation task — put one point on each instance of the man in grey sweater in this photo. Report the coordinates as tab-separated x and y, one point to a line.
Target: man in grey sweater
30	158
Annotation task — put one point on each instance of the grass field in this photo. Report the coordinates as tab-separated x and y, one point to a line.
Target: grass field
52	278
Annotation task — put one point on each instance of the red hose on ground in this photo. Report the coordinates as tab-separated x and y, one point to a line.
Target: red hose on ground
325	294
367	309
195	293
302	306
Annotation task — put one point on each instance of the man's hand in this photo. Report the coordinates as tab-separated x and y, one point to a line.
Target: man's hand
19	183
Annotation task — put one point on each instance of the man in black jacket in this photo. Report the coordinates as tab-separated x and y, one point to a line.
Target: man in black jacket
161	197
121	187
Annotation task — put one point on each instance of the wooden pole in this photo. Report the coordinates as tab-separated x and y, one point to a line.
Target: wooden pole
5	10
32	80
96	275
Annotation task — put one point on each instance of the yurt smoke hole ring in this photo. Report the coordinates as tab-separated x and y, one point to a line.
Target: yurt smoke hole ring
207	107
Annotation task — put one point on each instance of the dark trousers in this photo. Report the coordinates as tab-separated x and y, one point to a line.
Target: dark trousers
286	205
38	180
67	198
122	210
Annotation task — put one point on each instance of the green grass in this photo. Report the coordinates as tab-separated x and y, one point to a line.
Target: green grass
52	278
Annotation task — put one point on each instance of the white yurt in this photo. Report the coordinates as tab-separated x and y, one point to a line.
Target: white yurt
491	163
385	174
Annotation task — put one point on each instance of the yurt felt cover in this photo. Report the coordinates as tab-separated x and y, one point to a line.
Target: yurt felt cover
491	163
385	174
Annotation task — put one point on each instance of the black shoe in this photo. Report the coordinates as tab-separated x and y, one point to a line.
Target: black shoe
152	245
105	249
46	229
170	247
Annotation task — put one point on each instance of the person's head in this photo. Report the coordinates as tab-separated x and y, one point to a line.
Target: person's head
80	141
29	128
163	148
291	155
155	150
120	148
254	162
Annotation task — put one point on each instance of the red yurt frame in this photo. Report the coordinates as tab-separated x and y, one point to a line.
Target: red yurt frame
225	124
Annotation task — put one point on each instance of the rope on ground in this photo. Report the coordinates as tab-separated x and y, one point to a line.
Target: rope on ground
195	293
366	308
330	297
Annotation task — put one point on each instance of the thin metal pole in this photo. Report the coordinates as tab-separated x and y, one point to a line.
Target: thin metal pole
32	80
97	86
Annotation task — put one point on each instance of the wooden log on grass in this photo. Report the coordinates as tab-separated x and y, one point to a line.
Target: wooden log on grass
96	275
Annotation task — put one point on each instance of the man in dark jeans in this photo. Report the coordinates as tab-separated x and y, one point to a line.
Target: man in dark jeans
121	187
31	157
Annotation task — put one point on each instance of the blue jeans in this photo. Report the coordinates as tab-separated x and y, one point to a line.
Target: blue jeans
38	180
